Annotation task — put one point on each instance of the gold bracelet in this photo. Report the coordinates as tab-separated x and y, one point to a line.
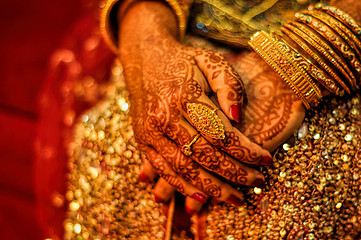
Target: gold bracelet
315	72
332	37
323	48
281	61
314	55
345	33
341	16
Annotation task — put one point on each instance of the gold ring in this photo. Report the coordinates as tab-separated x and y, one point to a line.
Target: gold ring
206	120
187	149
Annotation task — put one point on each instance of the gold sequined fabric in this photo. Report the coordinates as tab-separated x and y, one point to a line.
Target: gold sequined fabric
314	188
235	21
106	200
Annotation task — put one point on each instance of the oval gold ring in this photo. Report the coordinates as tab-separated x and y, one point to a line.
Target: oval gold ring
206	120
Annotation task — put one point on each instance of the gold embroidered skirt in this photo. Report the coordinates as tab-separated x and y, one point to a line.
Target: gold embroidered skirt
313	189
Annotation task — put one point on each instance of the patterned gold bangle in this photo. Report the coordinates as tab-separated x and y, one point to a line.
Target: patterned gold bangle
300	42
315	72
332	37
341	16
181	15
345	33
105	26
323	48
281	61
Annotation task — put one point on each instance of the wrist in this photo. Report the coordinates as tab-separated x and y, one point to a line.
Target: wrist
144	22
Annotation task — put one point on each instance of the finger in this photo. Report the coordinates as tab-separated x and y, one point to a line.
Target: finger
211	158
235	143
147	172
192	206
196	175
163	191
224	81
168	175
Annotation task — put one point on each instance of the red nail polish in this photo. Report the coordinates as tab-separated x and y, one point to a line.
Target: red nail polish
259	183
234	200
200	197
143	177
266	161
236	112
190	211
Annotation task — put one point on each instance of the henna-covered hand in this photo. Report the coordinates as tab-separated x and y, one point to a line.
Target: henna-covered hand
162	76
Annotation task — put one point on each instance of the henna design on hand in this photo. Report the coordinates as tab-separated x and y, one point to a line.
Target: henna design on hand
271	105
162	76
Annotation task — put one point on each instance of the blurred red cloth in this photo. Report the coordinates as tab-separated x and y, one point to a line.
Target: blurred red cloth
78	70
30	31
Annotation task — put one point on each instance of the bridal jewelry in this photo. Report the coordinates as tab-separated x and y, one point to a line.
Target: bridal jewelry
187	149
205	120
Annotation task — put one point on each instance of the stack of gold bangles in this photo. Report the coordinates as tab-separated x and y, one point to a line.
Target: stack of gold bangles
330	56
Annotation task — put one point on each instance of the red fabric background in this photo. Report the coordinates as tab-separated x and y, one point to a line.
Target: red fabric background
29	32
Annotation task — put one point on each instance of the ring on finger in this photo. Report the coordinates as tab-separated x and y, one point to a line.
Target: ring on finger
206	120
187	149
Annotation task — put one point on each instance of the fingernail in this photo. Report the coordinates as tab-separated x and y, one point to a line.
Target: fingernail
143	177
200	197
259	182
266	161
159	200
234	200
236	112
214	201
190	211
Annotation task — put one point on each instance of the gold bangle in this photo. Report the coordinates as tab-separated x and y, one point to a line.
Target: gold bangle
281	61
332	37
105	25
341	16
315	72
345	33
314	55
323	48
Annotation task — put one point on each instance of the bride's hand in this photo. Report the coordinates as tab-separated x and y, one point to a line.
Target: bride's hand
271	113
162	77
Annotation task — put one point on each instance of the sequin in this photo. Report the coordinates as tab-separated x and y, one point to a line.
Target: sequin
316	136
348	137
286	146
77	228
332	121
257	190
74	206
302	131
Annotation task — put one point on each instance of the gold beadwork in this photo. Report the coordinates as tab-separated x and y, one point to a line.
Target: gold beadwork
282	62
206	120
308	195
187	149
